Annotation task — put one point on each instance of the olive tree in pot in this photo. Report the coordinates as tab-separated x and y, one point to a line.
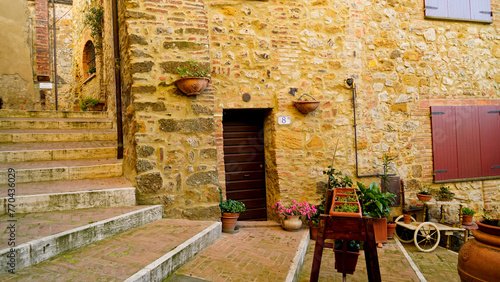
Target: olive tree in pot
231	210
376	205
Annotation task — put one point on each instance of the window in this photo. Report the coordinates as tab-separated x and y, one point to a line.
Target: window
89	59
468	10
465	142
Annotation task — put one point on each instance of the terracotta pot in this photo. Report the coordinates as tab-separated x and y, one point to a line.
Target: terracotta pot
314	231
229	221
407	218
306	107
380	230
291	223
192	85
349	264
485	247
467	219
391	227
424	198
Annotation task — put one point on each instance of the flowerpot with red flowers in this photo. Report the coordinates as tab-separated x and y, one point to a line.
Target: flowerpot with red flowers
290	215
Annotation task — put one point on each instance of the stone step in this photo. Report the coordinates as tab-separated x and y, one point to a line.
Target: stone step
148	253
54	123
41	236
51	114
23	172
55	135
52	151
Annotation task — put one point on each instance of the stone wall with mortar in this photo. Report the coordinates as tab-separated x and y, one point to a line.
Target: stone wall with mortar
16	73
278	50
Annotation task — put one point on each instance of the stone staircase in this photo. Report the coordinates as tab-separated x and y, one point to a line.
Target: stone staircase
63	192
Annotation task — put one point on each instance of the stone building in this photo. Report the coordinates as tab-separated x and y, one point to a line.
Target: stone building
244	134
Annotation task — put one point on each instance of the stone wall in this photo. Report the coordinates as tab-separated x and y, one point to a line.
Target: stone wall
16	73
278	50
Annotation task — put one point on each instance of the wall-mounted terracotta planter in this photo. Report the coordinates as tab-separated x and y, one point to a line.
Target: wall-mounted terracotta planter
304	106
192	85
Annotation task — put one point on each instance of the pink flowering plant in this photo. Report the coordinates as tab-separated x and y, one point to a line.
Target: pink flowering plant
295	208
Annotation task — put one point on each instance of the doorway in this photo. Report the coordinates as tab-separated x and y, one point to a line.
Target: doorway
244	161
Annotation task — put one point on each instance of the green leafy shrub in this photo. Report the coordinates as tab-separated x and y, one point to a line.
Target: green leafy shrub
375	203
193	69
230	206
467	211
94	20
87	102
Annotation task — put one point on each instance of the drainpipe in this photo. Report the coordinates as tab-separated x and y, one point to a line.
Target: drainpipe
350	83
118	80
55	51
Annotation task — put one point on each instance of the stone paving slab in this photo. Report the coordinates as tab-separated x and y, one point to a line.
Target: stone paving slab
253	254
439	265
59	164
33	226
115	258
55	145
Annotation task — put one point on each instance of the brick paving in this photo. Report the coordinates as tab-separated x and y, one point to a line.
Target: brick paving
253	254
33	226
438	265
115	258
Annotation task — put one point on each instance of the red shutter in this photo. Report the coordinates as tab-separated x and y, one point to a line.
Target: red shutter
436	8
480	10
444	143
459	9
489	118
468	142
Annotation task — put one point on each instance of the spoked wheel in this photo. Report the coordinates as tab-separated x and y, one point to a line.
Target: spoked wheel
404	235
427	237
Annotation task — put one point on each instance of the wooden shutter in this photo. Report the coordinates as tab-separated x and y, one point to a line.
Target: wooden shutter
480	10
444	143
436	8
459	9
468	142
489	118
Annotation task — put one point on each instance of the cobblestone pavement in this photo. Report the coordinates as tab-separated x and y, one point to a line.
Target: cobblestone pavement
253	254
115	258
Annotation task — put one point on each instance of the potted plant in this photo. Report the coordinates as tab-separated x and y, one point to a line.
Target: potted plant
376	205
444	194
345	203
425	194
306	106
230	210
351	256
290	214
87	102
467	215
483	248
194	78
337	179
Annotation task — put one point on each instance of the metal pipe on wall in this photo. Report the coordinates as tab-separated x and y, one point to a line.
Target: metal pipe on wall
55	51
118	80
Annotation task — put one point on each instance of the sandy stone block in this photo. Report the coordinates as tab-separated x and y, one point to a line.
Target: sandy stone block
400	108
289	139
496	51
315	143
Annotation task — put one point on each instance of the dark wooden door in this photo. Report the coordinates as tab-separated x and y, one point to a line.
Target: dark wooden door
244	161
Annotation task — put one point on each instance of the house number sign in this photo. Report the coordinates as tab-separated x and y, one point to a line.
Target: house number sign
284	120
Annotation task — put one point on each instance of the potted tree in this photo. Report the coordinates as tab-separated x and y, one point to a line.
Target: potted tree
230	210
194	78
467	215
376	205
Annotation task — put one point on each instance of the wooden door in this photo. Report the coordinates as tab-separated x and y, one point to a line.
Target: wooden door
244	161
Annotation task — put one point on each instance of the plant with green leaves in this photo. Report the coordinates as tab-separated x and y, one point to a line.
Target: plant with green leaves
426	190
467	211
444	193
352	245
345	207
386	162
337	179
94	19
375	203
489	218
193	69
87	102
91	70
230	206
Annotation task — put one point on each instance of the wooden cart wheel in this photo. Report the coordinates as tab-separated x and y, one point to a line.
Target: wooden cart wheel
404	235
427	237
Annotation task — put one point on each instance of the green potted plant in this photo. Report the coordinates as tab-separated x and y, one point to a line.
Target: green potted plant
376	205
425	194
87	102
444	194
351	256
194	77
230	210
467	215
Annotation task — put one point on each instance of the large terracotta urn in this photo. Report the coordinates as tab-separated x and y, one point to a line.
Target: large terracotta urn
479	258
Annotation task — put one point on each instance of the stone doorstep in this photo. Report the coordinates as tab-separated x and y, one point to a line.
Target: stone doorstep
38	250
61	170
56	135
19	123
71	200
51	114
56	154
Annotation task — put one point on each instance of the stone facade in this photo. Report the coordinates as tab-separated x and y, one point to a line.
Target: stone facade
278	50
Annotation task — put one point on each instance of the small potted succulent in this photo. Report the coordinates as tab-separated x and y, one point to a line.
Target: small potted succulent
230	210
194	78
444	194
467	215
